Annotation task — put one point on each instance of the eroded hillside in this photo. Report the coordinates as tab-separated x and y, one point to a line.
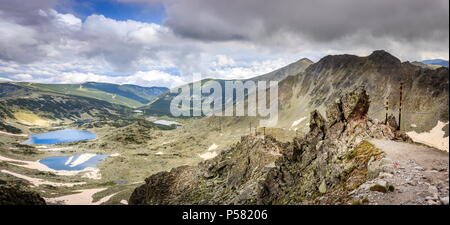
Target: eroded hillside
322	167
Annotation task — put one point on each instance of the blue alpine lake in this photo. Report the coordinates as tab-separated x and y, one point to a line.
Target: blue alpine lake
60	136
76	162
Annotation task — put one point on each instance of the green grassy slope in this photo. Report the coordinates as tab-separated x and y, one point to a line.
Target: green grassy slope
51	105
161	106
128	95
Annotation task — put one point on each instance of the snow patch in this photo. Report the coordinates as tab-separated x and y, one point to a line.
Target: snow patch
92	173
124	202
434	137
81	159
213	147
104	199
208	155
297	122
56	149
68	160
16	135
84	197
38	182
88	172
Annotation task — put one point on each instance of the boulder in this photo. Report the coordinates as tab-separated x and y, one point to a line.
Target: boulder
380	186
444	201
18	195
375	167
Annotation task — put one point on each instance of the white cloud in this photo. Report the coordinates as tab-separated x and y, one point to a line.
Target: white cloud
106	50
43	45
143	78
23	77
16	41
223	60
150	78
62	21
243	70
5	79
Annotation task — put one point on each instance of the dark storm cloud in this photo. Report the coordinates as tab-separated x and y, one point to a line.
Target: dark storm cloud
25	12
24	29
195	32
321	21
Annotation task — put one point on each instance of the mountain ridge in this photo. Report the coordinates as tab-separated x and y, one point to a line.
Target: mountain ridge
381	73
126	94
161	105
320	83
326	164
54	106
437	62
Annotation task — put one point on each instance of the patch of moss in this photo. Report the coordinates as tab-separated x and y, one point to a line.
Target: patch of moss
391	188
378	188
356	160
356	203
363	152
350	155
109	183
365	201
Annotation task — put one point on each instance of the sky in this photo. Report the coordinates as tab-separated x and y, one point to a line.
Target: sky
166	42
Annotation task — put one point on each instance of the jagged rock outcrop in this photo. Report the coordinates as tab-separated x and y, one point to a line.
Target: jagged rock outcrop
15	195
231	177
322	167
392	121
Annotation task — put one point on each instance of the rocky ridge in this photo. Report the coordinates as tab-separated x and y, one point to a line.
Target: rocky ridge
381	73
322	167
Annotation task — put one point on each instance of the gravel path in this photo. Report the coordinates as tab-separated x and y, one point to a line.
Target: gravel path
418	174
426	157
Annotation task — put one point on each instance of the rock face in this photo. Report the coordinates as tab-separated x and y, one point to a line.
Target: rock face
322	167
321	83
391	121
15	195
231	177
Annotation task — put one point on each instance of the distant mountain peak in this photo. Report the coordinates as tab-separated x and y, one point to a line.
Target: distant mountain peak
380	52
437	62
380	59
382	56
305	60
291	69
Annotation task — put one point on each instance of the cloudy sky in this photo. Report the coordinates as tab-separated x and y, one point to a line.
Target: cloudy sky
165	42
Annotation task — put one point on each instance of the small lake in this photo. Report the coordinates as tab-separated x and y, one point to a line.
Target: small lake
166	122
60	136
76	162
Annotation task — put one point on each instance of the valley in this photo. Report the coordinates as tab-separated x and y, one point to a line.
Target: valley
134	151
